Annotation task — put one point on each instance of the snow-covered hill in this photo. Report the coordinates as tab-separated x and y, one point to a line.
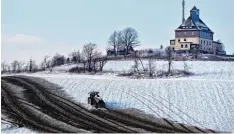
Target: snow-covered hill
202	69
204	100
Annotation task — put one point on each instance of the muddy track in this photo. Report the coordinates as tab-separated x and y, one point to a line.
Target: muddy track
68	113
32	100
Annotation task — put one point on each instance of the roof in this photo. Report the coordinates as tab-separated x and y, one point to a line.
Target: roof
189	24
194	8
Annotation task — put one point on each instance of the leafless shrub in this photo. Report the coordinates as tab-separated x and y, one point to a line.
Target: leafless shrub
169	58
151	67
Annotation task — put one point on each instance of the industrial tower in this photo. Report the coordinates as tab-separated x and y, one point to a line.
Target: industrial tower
183	8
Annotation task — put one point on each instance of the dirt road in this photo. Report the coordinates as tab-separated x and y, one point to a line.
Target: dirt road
42	106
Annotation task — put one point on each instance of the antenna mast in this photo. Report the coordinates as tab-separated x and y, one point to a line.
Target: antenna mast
183	7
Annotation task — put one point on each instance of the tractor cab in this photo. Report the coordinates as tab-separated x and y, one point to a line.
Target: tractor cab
95	100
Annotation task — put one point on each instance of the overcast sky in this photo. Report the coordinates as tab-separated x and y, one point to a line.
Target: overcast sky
35	28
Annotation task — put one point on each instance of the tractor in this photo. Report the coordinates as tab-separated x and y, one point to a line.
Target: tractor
95	100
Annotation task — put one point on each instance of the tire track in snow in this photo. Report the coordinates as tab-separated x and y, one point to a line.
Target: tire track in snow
170	104
165	112
189	129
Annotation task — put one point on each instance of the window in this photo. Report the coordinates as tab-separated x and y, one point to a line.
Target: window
186	46
182	46
172	42
185	33
179	40
192	33
185	39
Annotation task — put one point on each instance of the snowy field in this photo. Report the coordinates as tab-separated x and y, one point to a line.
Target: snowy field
202	69
204	100
8	128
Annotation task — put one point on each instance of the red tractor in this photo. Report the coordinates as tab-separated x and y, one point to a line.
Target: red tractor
95	100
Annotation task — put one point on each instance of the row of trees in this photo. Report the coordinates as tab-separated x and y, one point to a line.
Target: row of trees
19	66
123	40
90	58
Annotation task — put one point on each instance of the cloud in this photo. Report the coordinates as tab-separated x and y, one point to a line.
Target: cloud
20	39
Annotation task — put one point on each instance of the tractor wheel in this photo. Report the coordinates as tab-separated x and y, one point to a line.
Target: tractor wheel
96	105
101	104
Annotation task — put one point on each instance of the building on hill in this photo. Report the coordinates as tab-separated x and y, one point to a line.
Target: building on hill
193	33
150	52
123	51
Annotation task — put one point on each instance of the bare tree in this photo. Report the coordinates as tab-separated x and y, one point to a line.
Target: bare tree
8	68
14	66
195	52
31	66
129	38
50	65
136	64
68	60
3	67
89	53
58	60
102	61
76	56
44	63
115	42
17	66
161	46
169	54
20	66
95	66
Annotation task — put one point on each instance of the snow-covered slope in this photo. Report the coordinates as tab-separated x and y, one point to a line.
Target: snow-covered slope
206	103
202	69
204	100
